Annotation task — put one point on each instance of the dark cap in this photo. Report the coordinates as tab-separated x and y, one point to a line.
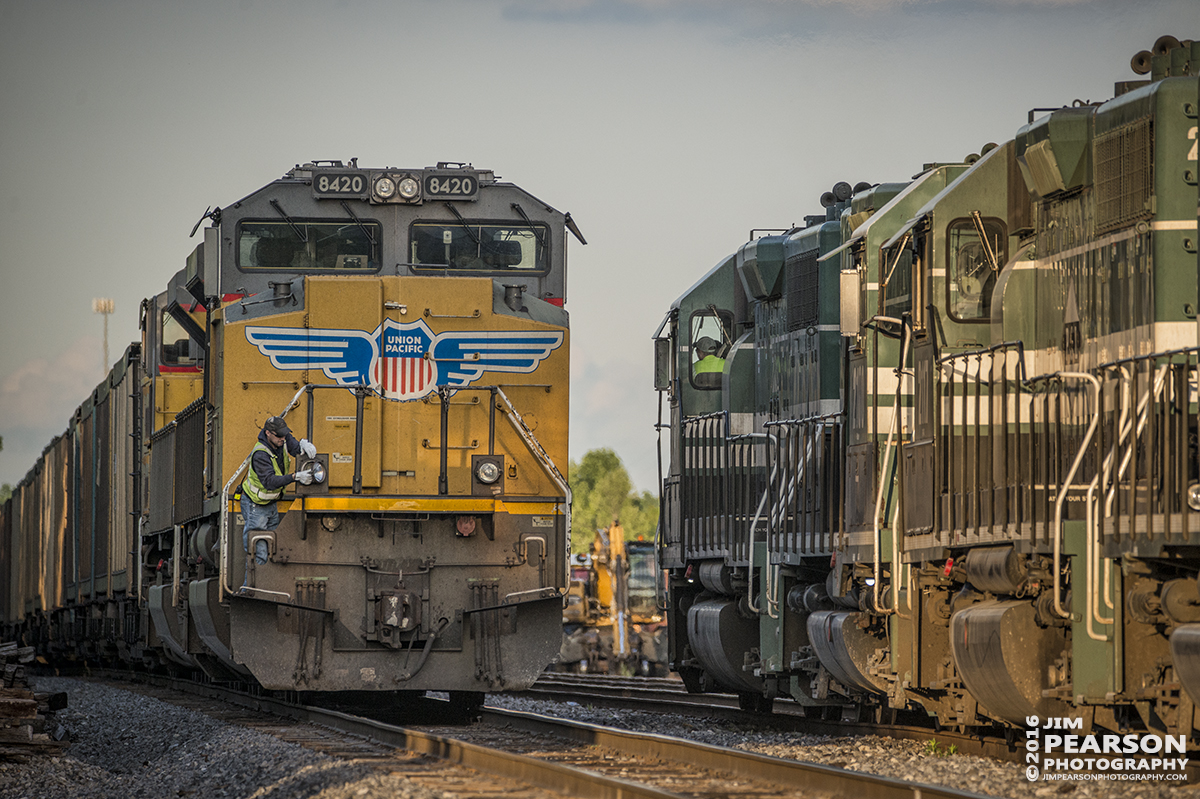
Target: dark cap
707	344
277	426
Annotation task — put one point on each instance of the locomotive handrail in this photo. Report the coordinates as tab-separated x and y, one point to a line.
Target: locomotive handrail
704	486
534	446
661	602
754	523
701	417
1154	355
1018	345
906	335
543	458
1066	485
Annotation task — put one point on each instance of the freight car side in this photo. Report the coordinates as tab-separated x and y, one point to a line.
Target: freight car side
70	529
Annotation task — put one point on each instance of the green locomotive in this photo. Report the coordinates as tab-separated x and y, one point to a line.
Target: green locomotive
950	465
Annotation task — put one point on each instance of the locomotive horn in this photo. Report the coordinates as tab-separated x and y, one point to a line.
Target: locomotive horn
842	191
863	186
828	200
1165	44
1140	63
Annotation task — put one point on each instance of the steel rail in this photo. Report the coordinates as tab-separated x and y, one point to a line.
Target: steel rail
664	695
578	782
744	765
541	773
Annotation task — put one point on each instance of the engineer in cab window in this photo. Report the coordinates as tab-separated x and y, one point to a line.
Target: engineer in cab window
707	369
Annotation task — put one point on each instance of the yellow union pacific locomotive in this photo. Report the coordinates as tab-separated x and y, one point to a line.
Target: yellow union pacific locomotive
407	322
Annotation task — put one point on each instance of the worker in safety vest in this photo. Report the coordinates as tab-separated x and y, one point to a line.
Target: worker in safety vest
708	364
270	471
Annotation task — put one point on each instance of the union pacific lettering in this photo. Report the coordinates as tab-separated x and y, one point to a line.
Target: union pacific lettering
398	345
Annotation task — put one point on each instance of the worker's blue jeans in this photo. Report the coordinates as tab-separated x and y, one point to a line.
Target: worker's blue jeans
258	517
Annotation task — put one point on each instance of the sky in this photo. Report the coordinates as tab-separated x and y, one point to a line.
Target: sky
669	129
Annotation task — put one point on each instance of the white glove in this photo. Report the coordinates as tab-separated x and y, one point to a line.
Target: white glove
304	478
307	448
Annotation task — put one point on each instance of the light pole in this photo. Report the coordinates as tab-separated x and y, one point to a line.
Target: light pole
103	305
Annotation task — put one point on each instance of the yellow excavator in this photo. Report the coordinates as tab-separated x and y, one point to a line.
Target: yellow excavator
611	619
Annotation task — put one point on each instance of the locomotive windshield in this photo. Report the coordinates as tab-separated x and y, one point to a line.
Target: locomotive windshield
897	278
332	245
176	345
976	249
710	343
479	246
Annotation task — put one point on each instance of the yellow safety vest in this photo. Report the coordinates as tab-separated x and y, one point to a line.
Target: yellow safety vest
709	363
253	486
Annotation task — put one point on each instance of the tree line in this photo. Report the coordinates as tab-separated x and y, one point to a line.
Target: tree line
602	493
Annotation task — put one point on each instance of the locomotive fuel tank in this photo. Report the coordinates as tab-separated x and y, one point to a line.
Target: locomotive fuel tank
1004	657
721	639
850	653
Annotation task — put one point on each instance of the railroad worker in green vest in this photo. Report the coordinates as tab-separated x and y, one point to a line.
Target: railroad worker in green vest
706	371
270	472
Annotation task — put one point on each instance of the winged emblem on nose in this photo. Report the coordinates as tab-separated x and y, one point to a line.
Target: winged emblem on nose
404	361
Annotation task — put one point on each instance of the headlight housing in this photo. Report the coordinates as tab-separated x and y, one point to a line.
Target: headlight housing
409	187
487	472
394	186
384	187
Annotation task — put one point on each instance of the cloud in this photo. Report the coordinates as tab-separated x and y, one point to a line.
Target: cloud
871	28
37	400
643	11
612	405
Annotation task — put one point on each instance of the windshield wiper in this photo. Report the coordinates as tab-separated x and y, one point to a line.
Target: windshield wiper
465	226
303	236
536	232
357	221
720	323
987	245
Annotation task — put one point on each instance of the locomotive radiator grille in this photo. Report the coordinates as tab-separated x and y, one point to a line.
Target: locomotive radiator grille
1124	164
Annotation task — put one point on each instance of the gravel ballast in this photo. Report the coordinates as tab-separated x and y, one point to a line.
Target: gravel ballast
126	746
889	757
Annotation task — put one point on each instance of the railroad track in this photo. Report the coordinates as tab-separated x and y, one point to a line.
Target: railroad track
668	695
528	755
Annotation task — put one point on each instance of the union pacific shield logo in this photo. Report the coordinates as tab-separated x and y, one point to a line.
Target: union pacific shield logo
404	378
403	369
404	361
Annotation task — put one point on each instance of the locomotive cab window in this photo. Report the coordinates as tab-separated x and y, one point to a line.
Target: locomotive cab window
898	278
339	245
976	249
479	246
711	335
176	345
